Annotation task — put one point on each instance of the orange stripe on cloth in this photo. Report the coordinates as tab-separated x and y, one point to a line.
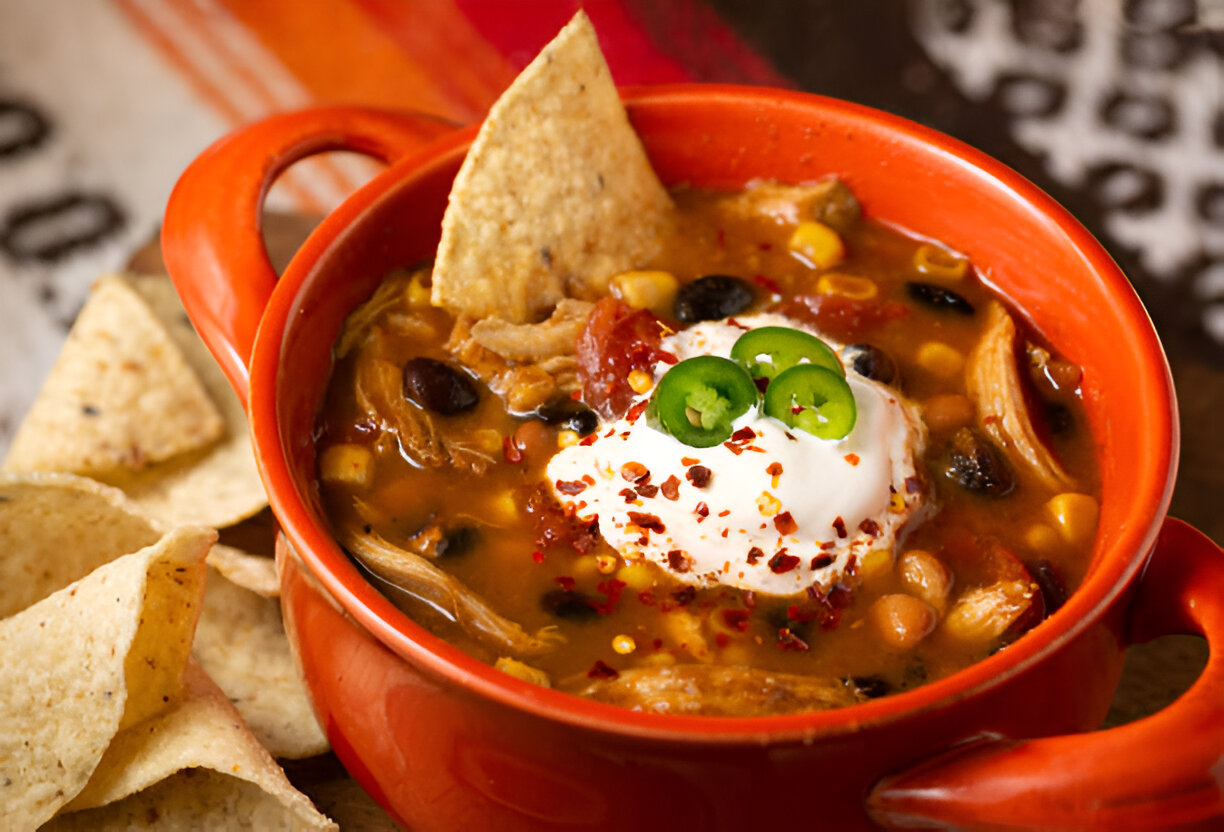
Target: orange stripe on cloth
346	54
165	34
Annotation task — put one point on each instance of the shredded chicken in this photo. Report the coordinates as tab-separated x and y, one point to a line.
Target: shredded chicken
379	393
828	201
994	385
546	350
713	690
447	595
535	342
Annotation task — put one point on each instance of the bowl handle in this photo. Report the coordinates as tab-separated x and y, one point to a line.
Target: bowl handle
1160	772
212	238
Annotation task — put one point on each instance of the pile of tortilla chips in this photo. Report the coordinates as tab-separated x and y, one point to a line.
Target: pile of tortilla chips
145	676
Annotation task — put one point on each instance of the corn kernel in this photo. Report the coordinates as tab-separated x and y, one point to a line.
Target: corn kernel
875	564
940	359
636	576
653	290
659	659
567	438
624	644
640	381
847	285
487	440
896	503
1042	538
526	672
417	293
347	463
606	564
818	244
503	508
1074	515
938	262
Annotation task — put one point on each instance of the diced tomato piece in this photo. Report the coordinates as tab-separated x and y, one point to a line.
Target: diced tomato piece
616	340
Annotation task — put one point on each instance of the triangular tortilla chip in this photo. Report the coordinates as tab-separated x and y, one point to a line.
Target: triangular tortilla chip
56	529
556	194
217	486
120	396
201	734
241	643
93	658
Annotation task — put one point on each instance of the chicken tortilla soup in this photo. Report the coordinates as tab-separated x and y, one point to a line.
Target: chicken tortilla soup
725	453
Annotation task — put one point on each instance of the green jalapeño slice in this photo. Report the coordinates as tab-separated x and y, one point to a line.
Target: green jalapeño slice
697	400
769	350
814	399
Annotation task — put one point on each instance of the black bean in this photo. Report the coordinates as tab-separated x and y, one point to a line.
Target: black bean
1053	590
870	362
871	687
976	465
437	386
569	415
937	297
457	541
712	297
569	604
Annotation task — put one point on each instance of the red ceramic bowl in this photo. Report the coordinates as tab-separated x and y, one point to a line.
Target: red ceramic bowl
445	742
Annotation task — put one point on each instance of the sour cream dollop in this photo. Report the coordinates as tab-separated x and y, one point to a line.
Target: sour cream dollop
774	509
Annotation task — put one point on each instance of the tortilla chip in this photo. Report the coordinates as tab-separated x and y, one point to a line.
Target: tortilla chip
556	194
241	643
121	394
218	486
254	572
187	743
56	529
91	659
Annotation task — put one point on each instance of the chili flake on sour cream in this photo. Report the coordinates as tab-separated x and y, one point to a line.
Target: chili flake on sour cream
773	509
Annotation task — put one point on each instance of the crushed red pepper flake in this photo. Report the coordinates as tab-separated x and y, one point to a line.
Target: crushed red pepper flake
646	597
685	595
636	411
821	561
571	487
736	619
688	461
647	522
870	527
635	472
701	509
733	448
647	490
722	639
678	561
671	488
774	469
744	434
602	670
787	640
785	523
840	526
698	475
781	562
724	512
769	285
755	554
629	494
565	582
853	459
611	589
537	556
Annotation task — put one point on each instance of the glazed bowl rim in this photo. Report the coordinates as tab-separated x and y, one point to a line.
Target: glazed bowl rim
361	601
